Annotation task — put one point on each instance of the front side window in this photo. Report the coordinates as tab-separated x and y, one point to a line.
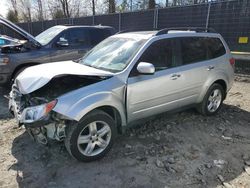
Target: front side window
79	37
113	54
48	35
160	54
193	49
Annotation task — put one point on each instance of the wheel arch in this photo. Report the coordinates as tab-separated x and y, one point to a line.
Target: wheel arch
222	80
107	102
21	66
114	113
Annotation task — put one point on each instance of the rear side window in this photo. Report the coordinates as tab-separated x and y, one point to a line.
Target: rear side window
216	47
97	35
79	37
194	49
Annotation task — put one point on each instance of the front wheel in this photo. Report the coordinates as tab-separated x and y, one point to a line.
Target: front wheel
92	137
212	101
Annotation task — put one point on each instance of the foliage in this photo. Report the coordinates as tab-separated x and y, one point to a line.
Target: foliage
12	16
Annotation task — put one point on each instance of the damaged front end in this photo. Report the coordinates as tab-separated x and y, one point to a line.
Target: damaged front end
35	110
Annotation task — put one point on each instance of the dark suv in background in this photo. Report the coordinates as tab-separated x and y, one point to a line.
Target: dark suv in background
58	43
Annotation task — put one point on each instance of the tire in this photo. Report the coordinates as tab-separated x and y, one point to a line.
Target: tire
212	101
84	142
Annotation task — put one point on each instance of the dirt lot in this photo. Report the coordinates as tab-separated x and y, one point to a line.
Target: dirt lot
171	150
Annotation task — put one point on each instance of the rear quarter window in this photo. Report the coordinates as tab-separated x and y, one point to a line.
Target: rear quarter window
215	47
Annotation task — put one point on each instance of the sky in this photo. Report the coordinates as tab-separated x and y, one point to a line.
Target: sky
3	7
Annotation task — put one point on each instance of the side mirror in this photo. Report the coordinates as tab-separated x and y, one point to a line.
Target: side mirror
146	68
62	42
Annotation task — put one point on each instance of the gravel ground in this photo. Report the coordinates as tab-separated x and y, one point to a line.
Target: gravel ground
170	150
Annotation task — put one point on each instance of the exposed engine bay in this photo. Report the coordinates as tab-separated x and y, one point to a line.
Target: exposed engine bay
50	124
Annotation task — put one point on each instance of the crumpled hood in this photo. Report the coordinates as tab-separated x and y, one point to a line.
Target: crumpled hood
35	77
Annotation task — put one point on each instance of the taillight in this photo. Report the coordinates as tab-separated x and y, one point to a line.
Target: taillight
232	61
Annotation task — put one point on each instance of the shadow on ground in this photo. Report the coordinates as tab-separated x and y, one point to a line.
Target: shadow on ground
4	112
177	150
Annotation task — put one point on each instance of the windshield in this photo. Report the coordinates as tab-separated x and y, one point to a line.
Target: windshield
46	36
113	54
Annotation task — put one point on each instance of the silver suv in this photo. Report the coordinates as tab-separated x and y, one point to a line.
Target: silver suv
127	77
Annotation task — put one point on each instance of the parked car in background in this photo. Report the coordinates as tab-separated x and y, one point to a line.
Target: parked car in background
6	40
125	78
58	43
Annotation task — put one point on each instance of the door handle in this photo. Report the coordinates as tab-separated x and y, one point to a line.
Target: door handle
210	68
175	76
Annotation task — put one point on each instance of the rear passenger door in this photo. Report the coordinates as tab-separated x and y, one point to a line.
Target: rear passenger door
78	44
196	66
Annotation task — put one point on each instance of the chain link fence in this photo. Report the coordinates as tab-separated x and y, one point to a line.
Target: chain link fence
231	19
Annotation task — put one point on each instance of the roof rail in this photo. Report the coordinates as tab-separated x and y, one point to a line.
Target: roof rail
197	29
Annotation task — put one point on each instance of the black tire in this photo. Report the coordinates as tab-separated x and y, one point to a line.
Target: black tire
203	106
74	130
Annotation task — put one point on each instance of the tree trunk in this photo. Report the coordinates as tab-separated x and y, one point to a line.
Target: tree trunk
111	6
174	2
93	7
151	4
40	10
65	7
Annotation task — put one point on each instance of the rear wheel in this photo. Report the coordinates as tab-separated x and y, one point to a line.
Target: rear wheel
92	137
212	101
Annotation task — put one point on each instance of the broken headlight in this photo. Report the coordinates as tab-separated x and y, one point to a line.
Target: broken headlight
35	113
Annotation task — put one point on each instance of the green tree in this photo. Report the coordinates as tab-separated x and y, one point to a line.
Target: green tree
12	16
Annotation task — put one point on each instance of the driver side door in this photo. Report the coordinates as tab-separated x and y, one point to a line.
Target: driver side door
77	40
152	94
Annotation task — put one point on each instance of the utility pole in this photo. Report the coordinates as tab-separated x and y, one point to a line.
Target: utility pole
131	5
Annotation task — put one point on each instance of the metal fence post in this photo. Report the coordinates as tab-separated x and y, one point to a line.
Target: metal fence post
120	21
208	14
93	20
155	24
42	25
157	18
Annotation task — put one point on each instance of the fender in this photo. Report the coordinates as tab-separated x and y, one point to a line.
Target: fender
93	101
